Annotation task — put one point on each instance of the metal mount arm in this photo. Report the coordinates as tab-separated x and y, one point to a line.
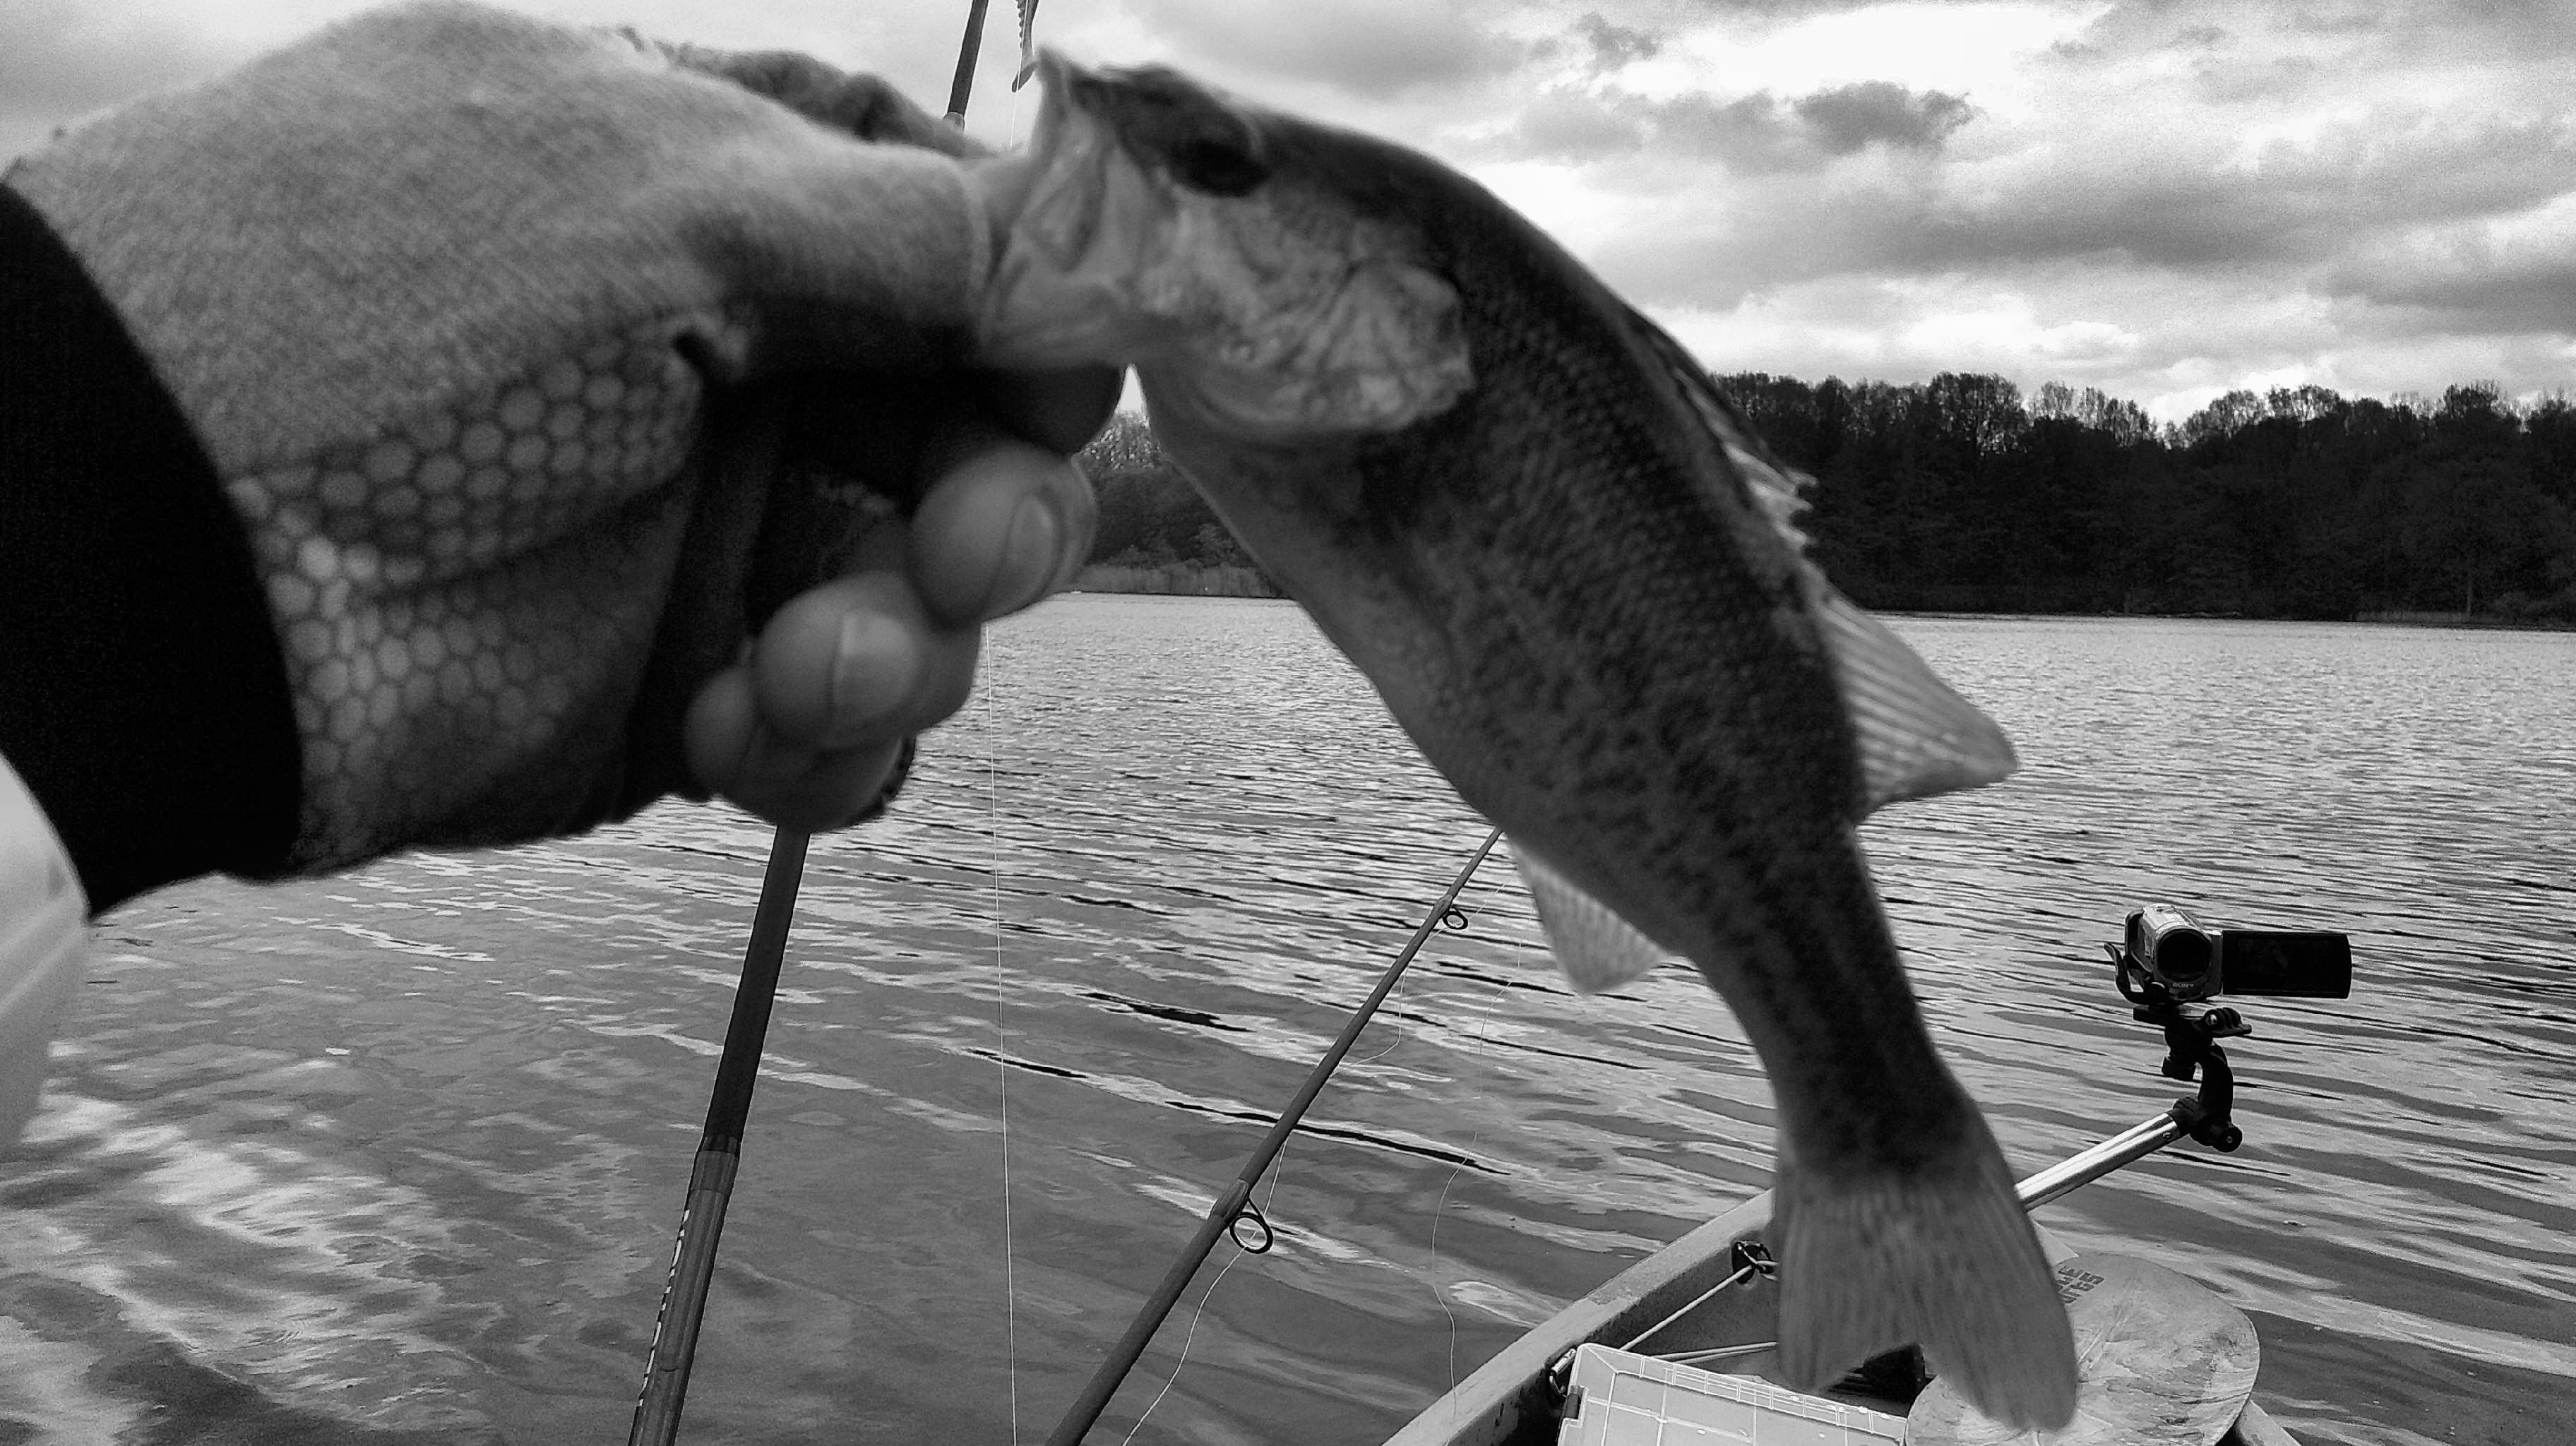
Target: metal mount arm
2191	1047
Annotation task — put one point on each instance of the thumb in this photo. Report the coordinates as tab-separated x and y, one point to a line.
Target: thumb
859	105
828	253
841	255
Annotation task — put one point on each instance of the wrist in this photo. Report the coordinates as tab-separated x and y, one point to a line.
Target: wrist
144	703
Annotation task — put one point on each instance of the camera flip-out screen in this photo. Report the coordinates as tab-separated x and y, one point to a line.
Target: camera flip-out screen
2285	962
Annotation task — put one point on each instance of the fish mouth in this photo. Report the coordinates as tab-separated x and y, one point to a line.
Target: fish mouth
1146	226
1067	216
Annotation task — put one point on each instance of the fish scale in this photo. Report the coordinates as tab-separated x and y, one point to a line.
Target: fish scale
1572	574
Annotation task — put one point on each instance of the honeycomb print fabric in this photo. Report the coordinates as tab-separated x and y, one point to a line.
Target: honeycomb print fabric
470	595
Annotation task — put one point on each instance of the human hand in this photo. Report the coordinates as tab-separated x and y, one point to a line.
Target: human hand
874	631
502	337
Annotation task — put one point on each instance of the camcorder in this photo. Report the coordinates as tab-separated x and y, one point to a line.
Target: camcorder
2167	959
2188	960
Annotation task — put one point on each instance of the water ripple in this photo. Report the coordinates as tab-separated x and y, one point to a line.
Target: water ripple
402	1151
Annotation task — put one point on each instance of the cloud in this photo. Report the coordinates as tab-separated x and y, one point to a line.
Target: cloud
1877	111
2352	196
2165	198
1614	45
63	58
1756	133
1568	123
60	60
1359	47
2170	346
2514	274
2370	210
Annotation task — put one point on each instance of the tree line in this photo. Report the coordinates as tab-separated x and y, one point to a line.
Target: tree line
1959	494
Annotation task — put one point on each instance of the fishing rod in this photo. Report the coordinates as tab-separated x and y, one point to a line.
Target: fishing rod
1235	1205
693	1256
967	52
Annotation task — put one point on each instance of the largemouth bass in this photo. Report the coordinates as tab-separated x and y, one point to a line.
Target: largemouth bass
1572	572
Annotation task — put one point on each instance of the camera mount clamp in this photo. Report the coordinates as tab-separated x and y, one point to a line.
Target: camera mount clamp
2191	1047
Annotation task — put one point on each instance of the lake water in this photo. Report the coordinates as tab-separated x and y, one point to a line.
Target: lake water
397	1156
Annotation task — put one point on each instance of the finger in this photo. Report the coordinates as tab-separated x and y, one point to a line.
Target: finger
720	728
858	662
834	221
1061	410
1003	525
864	106
804	789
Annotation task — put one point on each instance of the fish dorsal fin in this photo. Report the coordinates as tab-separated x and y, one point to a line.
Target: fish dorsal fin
1777	488
1917	737
1596	948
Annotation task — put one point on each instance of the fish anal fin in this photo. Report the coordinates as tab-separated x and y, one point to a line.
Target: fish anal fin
1917	737
1944	1259
1595	948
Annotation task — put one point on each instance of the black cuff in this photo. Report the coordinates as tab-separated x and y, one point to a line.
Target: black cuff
142	696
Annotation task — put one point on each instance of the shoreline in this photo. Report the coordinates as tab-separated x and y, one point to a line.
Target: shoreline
1186	580
1175	580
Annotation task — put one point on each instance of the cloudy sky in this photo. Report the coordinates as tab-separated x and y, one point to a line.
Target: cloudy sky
2162	198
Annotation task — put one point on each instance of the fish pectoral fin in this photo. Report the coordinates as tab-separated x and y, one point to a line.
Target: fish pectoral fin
1942	1257
1595	948
1917	737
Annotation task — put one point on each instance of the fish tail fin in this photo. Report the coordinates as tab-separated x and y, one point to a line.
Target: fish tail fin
1943	1258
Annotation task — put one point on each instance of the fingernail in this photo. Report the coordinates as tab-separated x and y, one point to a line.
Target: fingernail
1029	559
872	668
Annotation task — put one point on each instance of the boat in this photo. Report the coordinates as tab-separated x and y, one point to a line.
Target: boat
1696	1317
1678	1348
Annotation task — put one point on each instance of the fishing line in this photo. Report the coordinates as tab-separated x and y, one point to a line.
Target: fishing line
1278	1168
1186	1340
1383	1053
1442	1208
1001	1039
1391	1044
1478	1138
1454	918
1226	1216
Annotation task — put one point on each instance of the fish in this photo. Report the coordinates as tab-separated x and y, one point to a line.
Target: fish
1574	575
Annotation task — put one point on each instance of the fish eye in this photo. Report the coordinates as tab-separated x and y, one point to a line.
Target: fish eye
1213	166
1206	144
